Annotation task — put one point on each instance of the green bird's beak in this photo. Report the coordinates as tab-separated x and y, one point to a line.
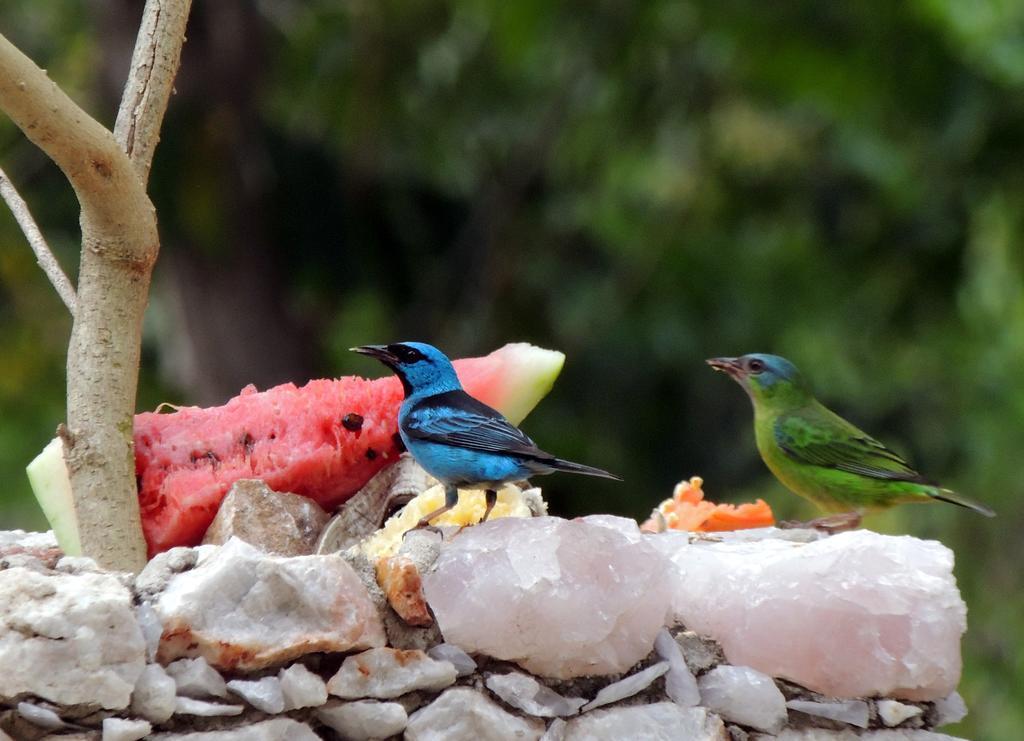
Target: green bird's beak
730	366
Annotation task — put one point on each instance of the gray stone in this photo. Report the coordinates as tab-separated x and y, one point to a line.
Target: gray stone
556	729
462	714
275	522
155	694
190	706
854	712
387	672
152	629
463	662
950	709
163	567
700	653
364	719
243	609
69	639
276	729
40	716
680	684
77	565
893	712
263	694
628	686
119	729
27	539
525	693
302	688
660	721
745	696
196	678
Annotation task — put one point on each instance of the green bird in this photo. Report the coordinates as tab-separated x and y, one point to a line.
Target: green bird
819	455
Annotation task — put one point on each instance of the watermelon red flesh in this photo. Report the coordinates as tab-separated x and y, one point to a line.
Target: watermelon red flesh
295	439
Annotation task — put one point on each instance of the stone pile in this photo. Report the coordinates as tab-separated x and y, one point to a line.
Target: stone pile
526	628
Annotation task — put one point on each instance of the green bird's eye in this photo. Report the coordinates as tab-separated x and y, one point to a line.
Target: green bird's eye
755	366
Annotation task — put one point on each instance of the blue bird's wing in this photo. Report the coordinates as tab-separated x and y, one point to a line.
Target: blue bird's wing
456	418
827	440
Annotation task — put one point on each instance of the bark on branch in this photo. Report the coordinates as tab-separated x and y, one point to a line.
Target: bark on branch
151	80
119	246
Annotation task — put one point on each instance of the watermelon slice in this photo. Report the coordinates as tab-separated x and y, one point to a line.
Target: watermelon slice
323	440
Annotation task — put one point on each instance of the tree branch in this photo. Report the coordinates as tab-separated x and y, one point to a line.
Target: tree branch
119	246
111	196
44	256
151	80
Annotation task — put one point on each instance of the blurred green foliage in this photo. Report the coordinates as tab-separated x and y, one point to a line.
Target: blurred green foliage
640	184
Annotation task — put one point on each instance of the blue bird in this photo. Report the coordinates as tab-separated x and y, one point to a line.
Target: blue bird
458	440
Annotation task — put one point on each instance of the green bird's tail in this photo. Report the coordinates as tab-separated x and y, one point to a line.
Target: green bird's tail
946	495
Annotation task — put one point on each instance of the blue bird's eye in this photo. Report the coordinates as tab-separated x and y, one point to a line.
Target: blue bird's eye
755	366
406	354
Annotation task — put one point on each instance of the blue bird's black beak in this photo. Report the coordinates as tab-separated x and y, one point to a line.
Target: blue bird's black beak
381	352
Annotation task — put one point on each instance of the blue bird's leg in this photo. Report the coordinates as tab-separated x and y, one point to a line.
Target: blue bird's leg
451	498
491	498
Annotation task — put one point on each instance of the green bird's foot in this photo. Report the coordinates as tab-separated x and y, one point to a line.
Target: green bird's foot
830	524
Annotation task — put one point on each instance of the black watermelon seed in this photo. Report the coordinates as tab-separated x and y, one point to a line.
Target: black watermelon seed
352	422
371	453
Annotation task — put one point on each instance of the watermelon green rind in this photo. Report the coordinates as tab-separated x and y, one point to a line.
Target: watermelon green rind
297	439
524	375
48	476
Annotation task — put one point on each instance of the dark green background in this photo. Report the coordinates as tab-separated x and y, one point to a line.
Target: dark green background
640	184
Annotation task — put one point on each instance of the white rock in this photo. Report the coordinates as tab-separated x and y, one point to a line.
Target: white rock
263	694
76	565
155	694
243	609
119	729
189	706
27	539
196	678
389	672
560	598
745	696
853	712
894	613
628	686
302	688
893	712
364	719
950	709
660	721
68	638
463	662
462	714
152	629
40	716
680	684
556	731
276	729
820	734
527	694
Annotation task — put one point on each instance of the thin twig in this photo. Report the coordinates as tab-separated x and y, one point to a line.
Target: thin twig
151	80
44	256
